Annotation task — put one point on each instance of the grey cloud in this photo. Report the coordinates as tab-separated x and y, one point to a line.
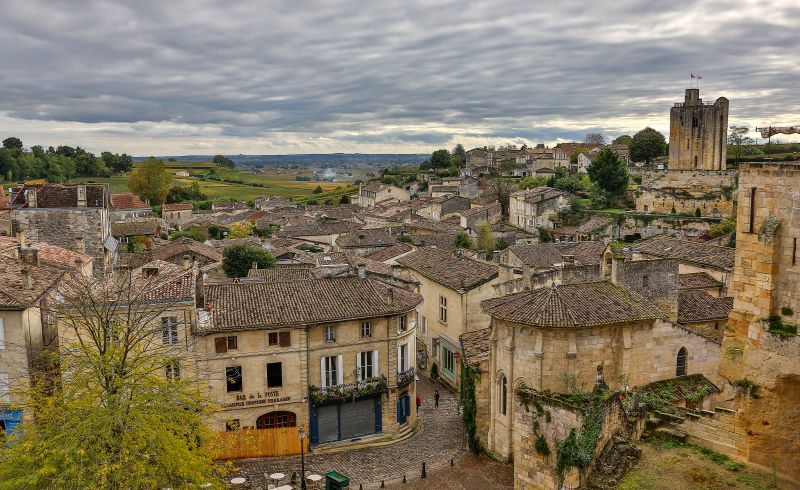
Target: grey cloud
386	72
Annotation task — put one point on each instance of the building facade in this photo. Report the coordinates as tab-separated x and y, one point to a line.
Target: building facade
534	208
698	133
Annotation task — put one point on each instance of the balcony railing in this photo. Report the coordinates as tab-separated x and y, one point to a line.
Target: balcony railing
405	377
347	391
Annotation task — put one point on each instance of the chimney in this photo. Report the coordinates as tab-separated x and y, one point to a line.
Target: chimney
395	271
186	262
496	256
81	196
617	266
26	279
390	297
362	271
29	255
79	245
31	195
567	260
526	275
254	265
22	239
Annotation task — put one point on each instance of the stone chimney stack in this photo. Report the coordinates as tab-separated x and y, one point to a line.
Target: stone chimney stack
187	263
395	271
81	203
617	266
22	239
390	297
80	247
31	194
29	255
26	279
526	275
567	260
362	271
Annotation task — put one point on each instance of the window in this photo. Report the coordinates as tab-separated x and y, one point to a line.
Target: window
2	334
233	342
645	281
402	358
172	371
402	324
794	261
330	371
365	364
221	345
330	333
681	368
752	209
435	347
275	420
503	398
274	374
448	361
282	339
423	324
169	330
442	309
232	424
366	329
233	378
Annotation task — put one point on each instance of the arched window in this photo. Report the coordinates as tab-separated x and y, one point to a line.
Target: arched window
646	209
681	365
274	420
503	387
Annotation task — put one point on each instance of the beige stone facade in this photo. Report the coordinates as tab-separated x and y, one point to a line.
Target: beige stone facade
686	191
698	133
534	208
373	193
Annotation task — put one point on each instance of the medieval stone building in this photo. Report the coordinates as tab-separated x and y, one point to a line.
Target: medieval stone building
698	133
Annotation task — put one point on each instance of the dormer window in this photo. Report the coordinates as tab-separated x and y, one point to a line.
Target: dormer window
150	271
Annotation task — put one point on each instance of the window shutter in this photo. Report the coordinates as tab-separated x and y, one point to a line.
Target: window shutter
339	370
375	366
285	339
2	334
322	372
221	345
399	366
358	367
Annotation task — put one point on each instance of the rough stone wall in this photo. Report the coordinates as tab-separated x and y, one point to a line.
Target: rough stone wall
698	133
456	203
655	279
683	227
712	192
766	283
483	402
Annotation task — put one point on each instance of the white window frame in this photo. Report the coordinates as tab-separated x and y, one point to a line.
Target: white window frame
330	333
402	323
331	371
366	365
169	330
402	358
366	329
443	309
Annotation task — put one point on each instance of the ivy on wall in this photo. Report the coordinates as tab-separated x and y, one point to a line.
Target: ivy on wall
469	406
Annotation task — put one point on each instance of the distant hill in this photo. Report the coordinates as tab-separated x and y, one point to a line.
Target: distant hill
311	159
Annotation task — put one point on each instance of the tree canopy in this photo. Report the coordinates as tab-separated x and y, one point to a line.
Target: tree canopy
624	139
151	181
440	159
184	193
739	141
459	156
463	240
647	144
223	161
56	165
238	259
12	143
609	172
594	139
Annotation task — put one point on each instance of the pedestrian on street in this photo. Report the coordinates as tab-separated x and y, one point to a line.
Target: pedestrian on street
436	400
419	402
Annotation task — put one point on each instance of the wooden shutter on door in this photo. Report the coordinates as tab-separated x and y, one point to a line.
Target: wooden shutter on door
221	345
376	371
358	367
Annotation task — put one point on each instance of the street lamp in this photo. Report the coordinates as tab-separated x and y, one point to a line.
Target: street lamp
302	459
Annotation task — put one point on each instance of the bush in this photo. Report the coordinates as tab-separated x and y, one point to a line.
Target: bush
542	447
194	232
238	259
405	239
434	371
697	212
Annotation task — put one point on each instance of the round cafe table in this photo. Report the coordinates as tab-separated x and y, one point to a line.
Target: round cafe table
238	480
314	478
277	477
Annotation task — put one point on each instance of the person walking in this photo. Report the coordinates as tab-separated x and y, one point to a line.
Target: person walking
436	400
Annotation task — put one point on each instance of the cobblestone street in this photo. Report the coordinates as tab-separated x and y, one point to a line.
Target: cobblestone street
439	440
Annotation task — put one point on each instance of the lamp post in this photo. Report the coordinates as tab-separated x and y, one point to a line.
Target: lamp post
302	458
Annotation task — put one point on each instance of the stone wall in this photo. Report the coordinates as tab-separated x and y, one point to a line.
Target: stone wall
655	279
698	133
712	192
646	226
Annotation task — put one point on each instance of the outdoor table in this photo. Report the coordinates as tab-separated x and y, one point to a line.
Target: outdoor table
277	477
238	480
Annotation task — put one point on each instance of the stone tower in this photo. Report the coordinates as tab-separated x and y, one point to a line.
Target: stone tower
698	133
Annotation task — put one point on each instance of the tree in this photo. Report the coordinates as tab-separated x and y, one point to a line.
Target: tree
594	139
573	158
609	172
344	199
531	182
12	143
238	259
624	139
223	161
241	229
117	163
459	155
440	159
317	190
647	144
501	189
150	181
116	421
738	139
486	241
463	240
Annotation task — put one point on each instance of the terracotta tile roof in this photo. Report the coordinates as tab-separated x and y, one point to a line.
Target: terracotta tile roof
697	280
453	271
13	293
172	251
540	255
62	195
389	253
442	241
701	254
166	208
476	347
281	274
538	194
595	224
136	228
227	242
695	305
294	304
376	237
681	388
573	305
585	253
127	201
49	255
171	282
318	228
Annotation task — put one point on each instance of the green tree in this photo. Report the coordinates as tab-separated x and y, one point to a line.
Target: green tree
150	181
594	139
223	161
344	199
12	143
531	182
317	190
238	259
116	421
609	172
459	156
241	229
739	141
573	158
624	139
486	241
440	159
463	240
647	144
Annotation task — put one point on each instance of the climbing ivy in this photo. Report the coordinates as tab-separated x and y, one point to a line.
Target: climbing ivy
469	406
578	447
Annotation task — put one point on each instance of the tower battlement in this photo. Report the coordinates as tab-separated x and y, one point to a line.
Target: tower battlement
698	133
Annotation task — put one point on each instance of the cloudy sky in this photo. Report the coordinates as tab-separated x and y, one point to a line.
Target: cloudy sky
183	77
